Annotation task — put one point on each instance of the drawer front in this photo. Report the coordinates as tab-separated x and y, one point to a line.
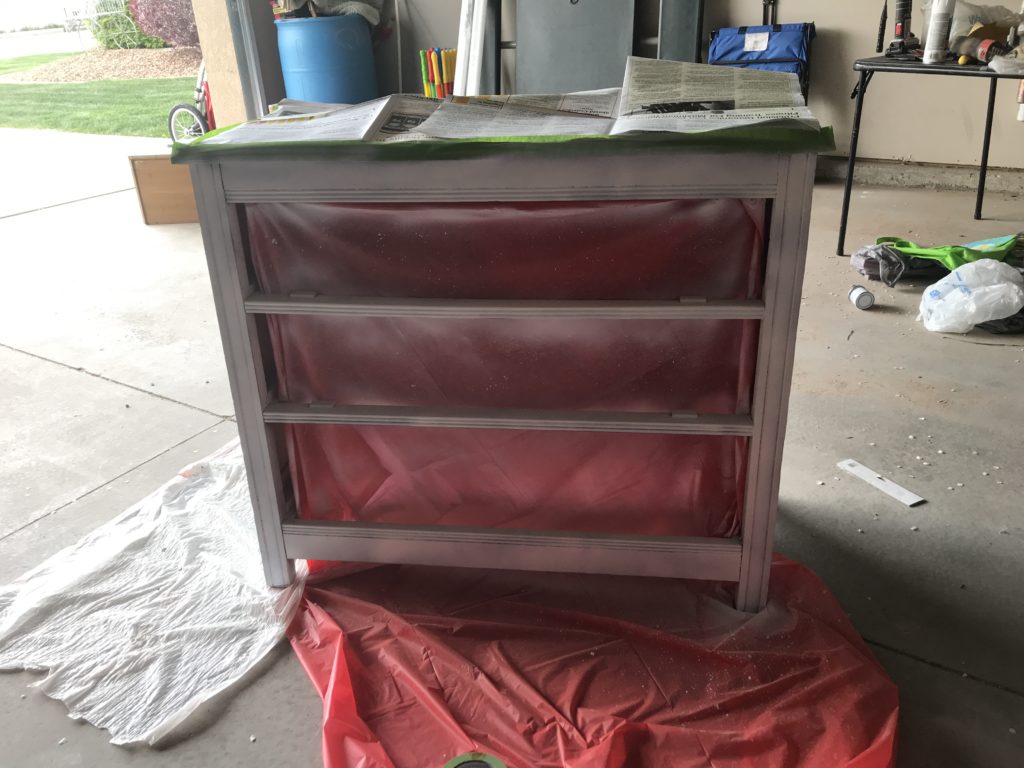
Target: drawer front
634	250
668	485
704	366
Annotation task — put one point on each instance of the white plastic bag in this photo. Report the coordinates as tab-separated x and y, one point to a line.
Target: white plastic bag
1008	65
975	293
368	9
153	613
968	14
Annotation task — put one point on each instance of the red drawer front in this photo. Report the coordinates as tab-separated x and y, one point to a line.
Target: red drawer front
666	485
701	365
642	250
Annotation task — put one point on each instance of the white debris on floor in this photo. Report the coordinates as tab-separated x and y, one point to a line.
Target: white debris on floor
153	613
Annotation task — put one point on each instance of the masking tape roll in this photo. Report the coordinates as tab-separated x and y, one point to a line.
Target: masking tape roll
475	760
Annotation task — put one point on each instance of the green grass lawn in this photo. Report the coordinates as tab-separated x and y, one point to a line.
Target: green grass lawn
121	107
27	62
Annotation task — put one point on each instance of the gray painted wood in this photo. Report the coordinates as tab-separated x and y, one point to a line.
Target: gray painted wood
222	185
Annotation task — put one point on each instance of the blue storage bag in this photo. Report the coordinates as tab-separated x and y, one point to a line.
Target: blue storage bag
774	47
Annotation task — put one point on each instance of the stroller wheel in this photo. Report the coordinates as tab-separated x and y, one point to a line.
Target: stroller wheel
185	123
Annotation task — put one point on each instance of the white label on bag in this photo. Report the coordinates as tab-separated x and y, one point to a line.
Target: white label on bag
755	41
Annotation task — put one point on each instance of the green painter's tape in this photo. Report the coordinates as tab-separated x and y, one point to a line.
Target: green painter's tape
764	139
475	760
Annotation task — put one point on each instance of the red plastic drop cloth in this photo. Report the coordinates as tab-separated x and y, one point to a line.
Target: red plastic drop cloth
418	665
618	250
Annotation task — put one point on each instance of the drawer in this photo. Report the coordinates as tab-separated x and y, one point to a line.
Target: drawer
669	485
606	250
705	366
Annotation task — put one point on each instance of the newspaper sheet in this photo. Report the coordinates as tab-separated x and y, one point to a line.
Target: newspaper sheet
293	107
401	119
711	120
656	96
378	120
602	103
468	118
656	86
350	123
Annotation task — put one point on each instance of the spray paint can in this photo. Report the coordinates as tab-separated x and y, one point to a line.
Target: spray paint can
938	31
861	297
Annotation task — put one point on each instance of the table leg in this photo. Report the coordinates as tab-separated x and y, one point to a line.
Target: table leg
862	86
983	175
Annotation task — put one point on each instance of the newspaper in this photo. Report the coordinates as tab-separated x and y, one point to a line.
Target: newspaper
656	96
401	119
491	118
336	124
602	103
377	120
653	85
699	122
692	98
293	107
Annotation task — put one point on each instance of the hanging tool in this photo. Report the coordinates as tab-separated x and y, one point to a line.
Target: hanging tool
904	43
881	27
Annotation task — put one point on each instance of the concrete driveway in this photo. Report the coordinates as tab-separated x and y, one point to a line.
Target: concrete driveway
15	44
51	168
106	370
114	379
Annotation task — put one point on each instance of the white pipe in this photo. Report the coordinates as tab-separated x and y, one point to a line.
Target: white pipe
398	45
462	56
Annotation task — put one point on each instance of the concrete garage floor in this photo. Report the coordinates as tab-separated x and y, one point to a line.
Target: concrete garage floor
113	380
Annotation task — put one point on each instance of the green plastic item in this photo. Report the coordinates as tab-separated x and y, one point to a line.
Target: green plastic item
954	256
475	760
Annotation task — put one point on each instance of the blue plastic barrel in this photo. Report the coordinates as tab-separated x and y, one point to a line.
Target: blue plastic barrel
327	58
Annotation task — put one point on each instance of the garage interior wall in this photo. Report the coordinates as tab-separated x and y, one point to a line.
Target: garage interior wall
921	119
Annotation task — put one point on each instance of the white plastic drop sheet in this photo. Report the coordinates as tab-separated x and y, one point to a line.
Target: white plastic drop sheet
153	613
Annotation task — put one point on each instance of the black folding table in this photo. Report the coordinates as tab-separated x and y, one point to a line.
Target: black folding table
867	69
